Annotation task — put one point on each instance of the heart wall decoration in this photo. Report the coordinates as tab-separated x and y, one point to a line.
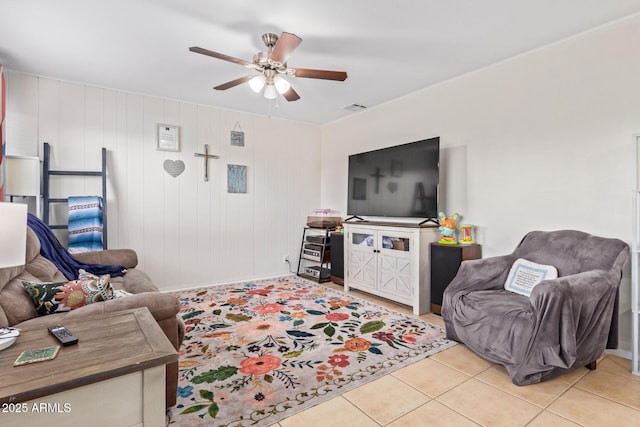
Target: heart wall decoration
173	167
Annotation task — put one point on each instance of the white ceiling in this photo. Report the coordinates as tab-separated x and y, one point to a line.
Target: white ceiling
388	48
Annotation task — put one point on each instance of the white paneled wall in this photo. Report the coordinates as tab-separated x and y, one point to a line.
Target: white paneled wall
187	232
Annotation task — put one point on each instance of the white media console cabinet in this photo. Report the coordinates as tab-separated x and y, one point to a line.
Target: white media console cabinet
390	260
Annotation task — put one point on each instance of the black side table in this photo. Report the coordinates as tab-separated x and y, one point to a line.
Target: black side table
337	258
445	262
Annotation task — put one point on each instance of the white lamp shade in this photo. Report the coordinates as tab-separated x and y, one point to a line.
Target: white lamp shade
270	92
257	83
22	176
281	84
13	234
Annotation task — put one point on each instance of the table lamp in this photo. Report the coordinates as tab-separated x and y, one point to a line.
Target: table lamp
13	251
13	234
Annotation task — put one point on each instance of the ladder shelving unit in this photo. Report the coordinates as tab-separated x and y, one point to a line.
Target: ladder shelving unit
47	200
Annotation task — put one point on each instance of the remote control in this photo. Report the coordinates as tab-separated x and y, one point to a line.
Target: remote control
63	335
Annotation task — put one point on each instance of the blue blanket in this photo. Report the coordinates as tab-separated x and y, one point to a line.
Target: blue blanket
52	249
85	224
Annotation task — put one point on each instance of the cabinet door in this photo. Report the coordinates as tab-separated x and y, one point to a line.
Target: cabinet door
362	260
394	263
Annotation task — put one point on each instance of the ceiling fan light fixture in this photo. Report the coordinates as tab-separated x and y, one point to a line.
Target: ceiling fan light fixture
272	68
281	84
270	92
257	83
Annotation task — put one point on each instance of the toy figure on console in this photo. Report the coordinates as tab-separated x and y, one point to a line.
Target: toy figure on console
448	228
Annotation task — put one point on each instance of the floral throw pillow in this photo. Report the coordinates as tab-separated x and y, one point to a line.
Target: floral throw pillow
52	298
117	293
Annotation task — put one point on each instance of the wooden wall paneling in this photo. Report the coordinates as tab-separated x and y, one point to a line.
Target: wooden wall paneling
94	133
94	138
265	166
188	202
294	184
277	192
304	187
154	192
206	123
216	188
239	207
245	204
68	152
168	249
110	141
134	209
47	113
120	177
224	235
186	232
173	197
21	125
92	141
292	171
222	230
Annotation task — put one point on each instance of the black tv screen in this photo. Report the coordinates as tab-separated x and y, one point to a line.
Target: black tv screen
399	181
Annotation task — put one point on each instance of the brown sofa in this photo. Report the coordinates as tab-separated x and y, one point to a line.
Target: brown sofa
17	308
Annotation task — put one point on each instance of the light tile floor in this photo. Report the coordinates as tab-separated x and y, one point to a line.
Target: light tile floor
457	388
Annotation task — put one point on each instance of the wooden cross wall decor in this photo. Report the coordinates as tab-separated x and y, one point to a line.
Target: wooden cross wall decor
377	176
206	156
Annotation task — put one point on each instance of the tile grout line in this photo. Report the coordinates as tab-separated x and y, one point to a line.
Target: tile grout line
609	399
475	376
360	409
435	399
555	399
469	378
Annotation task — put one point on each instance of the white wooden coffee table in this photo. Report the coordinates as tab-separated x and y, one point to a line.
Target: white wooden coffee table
114	376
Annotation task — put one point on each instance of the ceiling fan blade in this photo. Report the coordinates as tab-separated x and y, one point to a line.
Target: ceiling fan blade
221	56
233	83
291	95
285	46
319	74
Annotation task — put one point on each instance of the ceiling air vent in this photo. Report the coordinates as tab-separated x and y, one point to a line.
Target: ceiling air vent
354	107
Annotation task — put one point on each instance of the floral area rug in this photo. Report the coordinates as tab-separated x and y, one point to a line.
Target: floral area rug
257	352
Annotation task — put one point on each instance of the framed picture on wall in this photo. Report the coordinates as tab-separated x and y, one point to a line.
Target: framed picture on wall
168	137
237	138
359	189
236	179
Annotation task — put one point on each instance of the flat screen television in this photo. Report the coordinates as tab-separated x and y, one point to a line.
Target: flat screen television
398	181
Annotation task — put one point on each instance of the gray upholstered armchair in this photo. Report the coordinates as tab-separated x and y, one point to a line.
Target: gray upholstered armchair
565	323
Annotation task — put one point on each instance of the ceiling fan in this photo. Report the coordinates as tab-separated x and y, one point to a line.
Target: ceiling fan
272	65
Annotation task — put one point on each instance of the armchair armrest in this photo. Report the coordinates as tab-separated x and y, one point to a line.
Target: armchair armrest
585	287
124	257
571	311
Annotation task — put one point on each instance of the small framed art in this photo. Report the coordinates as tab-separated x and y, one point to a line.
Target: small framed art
168	137
237	138
359	189
236	179
237	135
